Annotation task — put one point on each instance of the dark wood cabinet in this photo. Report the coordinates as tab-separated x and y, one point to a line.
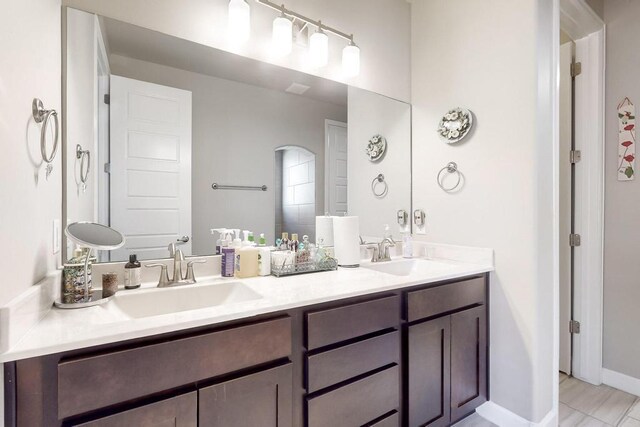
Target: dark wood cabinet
468	361
429	379
179	411
447	362
261	399
412	357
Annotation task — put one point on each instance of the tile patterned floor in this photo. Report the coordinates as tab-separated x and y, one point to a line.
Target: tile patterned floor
585	405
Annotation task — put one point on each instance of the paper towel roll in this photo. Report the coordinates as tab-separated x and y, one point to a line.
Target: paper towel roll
346	240
324	230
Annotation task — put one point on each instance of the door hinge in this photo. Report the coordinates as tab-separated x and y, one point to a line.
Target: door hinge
576	69
107	98
574	327
574	240
107	168
575	156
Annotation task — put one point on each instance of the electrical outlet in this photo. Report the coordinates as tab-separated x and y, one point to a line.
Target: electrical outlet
57	240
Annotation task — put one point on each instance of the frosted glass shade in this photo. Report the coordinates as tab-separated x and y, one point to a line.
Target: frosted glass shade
239	24
282	36
319	49
351	60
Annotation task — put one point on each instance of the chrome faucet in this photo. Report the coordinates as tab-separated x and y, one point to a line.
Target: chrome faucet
178	278
381	250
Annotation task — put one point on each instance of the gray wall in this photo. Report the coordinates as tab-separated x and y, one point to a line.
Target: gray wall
371	114
30	67
621	336
236	129
597	6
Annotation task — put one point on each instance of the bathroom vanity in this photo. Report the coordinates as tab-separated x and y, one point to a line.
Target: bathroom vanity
399	354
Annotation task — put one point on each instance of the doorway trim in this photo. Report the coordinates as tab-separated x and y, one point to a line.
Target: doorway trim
584	26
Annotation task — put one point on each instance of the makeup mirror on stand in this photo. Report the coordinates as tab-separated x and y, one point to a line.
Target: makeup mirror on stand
92	236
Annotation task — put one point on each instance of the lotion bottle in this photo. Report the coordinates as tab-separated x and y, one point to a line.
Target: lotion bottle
247	262
228	266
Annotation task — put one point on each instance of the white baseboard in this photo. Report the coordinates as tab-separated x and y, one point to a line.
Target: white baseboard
503	417
621	381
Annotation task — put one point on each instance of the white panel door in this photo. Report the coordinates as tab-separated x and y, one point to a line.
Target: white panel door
150	157
566	114
336	168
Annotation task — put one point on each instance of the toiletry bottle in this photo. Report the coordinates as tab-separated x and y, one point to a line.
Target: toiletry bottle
132	273
407	245
252	239
228	261
284	245
236	243
245	240
247	262
293	243
264	258
302	256
262	241
221	235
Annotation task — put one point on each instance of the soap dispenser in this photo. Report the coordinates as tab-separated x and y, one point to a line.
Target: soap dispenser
247	261
228	262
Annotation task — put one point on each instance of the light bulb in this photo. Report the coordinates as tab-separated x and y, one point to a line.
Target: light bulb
282	37
239	22
319	49
351	60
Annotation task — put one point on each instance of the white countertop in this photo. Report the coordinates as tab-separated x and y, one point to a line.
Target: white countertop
63	330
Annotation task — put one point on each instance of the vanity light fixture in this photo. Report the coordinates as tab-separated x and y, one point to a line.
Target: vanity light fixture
319	48
282	37
239	21
318	42
351	60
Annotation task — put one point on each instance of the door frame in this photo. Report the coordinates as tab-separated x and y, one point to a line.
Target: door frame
327	123
587	29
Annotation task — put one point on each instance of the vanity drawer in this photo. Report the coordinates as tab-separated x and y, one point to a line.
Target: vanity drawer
358	403
351	321
340	364
392	420
442	299
86	384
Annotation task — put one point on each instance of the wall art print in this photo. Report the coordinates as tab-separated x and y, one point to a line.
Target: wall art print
626	140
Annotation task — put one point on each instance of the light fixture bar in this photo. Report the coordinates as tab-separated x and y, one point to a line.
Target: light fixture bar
319	24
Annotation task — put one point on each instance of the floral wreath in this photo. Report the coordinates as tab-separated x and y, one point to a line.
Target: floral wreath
376	147
455	124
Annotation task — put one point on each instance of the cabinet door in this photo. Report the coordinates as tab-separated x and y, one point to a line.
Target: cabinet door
262	399
428	373
180	411
468	361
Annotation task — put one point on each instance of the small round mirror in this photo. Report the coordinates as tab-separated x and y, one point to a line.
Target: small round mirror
94	235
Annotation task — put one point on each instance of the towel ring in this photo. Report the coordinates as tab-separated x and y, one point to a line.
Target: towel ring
451	167
377	180
84	173
40	115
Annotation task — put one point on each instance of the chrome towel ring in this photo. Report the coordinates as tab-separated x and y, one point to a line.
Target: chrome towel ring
374	184
452	167
83	155
41	115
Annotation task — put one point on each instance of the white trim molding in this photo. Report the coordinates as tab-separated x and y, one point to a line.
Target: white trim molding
589	260
504	418
621	381
578	20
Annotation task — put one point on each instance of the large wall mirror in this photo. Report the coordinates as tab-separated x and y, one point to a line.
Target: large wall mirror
167	139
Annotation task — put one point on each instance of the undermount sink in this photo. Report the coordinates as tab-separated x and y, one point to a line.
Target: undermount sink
155	302
406	267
